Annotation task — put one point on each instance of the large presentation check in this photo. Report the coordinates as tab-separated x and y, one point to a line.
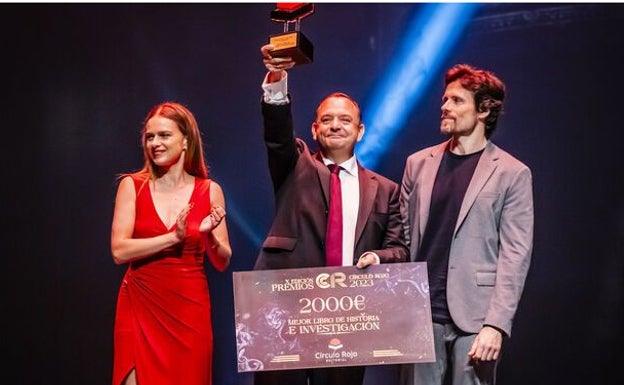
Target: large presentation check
333	316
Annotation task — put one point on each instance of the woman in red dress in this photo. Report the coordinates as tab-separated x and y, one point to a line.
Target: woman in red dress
168	216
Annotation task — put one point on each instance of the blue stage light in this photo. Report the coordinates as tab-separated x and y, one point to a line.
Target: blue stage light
429	37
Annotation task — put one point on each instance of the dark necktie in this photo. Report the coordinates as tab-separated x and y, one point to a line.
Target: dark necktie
333	238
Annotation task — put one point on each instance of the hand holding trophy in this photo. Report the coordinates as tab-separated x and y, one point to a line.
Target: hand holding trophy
292	44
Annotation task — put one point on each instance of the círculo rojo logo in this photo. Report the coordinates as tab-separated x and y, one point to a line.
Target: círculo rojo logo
334	344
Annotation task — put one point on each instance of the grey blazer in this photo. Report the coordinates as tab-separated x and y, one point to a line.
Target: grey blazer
493	239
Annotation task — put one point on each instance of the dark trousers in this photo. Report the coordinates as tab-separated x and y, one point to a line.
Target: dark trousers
350	375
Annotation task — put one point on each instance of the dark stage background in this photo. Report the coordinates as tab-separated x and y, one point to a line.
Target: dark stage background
77	80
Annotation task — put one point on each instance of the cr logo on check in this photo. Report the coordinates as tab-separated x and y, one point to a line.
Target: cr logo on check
326	281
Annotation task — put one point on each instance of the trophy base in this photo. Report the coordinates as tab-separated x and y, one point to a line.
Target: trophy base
294	45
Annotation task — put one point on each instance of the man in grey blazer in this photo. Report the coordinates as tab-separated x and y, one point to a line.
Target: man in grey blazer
467	208
301	181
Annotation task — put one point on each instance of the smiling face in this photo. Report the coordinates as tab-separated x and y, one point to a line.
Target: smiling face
164	142
459	113
337	128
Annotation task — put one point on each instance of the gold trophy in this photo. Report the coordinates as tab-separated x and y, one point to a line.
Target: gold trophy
292	44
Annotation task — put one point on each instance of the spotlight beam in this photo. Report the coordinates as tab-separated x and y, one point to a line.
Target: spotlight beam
427	41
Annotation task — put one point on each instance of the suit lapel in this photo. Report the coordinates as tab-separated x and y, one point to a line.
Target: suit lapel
430	170
485	168
368	193
322	173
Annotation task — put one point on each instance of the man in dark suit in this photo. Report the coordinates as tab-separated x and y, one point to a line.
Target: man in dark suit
301	181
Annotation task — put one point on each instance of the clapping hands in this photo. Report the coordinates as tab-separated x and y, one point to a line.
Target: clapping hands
211	221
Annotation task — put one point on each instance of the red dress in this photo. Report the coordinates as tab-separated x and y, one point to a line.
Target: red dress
162	322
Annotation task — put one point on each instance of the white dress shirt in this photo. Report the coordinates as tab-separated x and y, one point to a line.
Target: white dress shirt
350	193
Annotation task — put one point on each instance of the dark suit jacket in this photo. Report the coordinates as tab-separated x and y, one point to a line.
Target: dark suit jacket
301	185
